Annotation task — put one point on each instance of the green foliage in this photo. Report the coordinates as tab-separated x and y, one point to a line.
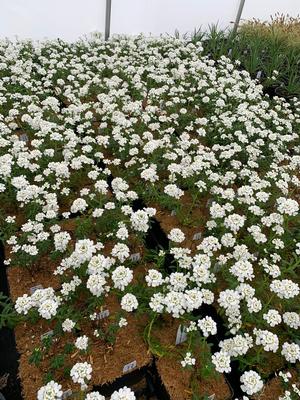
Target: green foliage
155	347
111	333
8	316
57	361
273	49
36	357
48	377
69	348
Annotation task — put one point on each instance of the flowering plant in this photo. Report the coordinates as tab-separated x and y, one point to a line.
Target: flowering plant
100	141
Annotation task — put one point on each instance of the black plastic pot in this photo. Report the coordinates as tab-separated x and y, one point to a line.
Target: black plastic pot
233	377
8	350
150	386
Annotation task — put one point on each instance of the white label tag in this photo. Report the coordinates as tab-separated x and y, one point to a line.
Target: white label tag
23	137
258	75
46	335
181	335
128	367
173	212
209	202
135	257
197	236
212	397
67	393
217	267
35	288
103	314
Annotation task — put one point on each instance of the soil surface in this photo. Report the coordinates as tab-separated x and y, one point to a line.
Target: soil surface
179	381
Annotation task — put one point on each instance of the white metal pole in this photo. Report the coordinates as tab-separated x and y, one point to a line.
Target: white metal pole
107	19
238	16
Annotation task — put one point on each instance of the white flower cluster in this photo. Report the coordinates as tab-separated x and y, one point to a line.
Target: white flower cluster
251	382
81	373
188	360
151	119
44	300
51	391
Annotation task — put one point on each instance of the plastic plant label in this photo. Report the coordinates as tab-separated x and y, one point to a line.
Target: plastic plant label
258	75
181	335
103	314
128	367
23	137
67	393
212	397
229	52
197	236
209	202
217	267
135	257
173	212
46	335
35	288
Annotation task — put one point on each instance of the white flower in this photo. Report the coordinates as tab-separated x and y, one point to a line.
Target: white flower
291	352
209	245
149	174
154	278
175	303
23	304
254	305
68	325
78	205
82	342
221	361
234	222
122	233
120	251
292	319
229	298
238	345
81	372
95	284
123	322
140	220
84	249
61	240
272	317
173	191
178	281
242	269
156	302
121	277
176	235
101	186
188	360
207	326
98	212
129	302
287	206
251	382
99	264
94	396
285	289
123	394
51	391
193	299
267	339
48	308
